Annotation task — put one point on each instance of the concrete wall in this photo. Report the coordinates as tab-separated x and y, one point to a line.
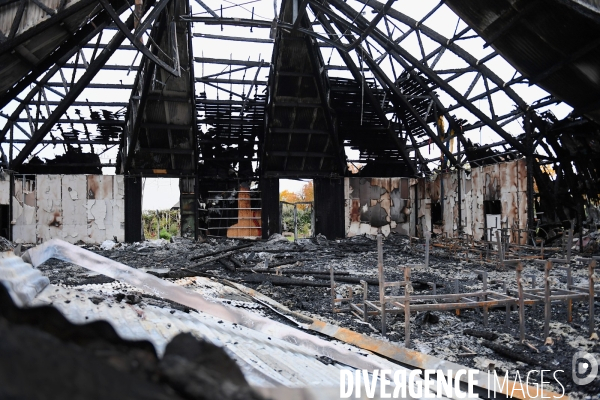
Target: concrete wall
379	203
88	208
505	182
388	203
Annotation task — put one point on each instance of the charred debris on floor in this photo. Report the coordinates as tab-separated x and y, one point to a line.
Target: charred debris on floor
298	276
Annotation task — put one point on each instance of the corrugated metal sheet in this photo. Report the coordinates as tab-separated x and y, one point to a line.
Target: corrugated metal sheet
23	281
265	361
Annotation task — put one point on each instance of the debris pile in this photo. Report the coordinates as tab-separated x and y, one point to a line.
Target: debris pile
297	275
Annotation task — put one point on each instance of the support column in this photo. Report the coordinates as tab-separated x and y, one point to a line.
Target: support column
269	193
188	207
529	160
133	209
329	207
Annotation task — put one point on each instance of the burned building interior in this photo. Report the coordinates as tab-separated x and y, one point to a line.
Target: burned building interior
454	151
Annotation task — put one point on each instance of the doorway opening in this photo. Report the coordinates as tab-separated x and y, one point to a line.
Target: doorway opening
161	216
296	208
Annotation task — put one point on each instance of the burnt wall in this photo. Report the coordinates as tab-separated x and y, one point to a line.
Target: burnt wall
88	208
503	184
374	204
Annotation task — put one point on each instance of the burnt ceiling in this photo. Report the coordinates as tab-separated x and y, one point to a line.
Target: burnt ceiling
305	89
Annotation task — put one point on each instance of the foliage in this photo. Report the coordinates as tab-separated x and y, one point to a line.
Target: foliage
304	211
164	234
161	224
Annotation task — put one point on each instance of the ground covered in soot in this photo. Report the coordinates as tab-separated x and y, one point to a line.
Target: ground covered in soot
297	276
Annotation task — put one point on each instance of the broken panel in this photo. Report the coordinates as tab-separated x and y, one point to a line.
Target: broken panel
486	191
72	207
378	203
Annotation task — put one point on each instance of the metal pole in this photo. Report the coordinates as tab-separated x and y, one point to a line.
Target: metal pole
547	302
407	307
507	308
312	219
381	280
332	282
529	160
591	266
570	242
521	302
456	290
459	172
427	238
500	249
485	308
365	293
295	222
570	301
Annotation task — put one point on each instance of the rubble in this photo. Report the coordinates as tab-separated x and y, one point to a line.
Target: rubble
307	294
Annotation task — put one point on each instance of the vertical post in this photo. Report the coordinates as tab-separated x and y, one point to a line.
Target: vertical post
295	222
10	149
427	238
381	281
10	204
547	302
269	194
407	306
312	219
456	290
591	267
133	209
459	194
365	293
569	301
280	217
417	209
500	249
529	161
195	132
580	215
507	308
570	242
521	302
332	282
485	308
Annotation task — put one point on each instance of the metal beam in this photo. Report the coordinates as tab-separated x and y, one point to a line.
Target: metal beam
133	37
231	81
456	49
409	62
380	14
369	95
254	23
66	102
60	55
233	38
207	8
16	40
225	61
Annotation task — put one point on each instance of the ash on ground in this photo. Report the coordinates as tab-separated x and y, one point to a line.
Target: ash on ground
297	276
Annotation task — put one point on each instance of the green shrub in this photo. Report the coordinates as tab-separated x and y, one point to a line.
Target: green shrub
164	234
